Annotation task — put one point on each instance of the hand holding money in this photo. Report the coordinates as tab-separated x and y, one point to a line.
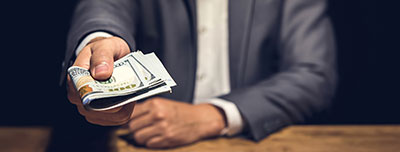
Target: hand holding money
99	56
135	76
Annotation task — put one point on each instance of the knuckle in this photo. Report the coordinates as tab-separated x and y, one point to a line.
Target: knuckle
131	125
136	136
163	125
169	135
156	104
138	139
152	102
159	115
156	100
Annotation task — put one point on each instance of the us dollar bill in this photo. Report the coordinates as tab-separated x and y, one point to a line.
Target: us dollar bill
135	76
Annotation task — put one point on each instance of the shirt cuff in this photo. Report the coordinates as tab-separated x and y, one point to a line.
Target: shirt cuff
90	37
233	117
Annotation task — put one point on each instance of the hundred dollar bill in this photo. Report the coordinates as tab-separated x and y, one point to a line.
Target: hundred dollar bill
135	76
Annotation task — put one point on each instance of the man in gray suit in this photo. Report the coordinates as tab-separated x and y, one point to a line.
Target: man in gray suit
243	67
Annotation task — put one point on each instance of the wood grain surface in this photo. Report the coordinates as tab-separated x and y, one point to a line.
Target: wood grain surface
293	139
24	139
332	138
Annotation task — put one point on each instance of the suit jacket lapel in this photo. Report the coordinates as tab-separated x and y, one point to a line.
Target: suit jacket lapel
191	9
240	19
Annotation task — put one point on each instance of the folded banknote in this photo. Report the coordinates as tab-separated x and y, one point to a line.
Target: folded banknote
135	76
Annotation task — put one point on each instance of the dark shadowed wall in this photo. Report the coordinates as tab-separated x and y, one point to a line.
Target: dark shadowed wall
33	43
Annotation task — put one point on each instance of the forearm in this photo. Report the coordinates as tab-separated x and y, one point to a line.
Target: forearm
112	16
116	17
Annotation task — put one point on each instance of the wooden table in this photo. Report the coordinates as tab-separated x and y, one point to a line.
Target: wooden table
24	139
371	138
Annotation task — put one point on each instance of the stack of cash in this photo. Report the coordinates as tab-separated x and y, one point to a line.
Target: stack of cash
135	76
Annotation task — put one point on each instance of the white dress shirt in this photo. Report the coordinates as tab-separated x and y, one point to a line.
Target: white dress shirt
212	75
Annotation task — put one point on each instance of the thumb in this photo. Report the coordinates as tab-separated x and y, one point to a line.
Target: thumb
104	53
101	64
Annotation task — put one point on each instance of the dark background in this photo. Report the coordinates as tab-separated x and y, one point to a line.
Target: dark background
33	44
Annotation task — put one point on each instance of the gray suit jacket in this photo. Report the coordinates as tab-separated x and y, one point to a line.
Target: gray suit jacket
281	52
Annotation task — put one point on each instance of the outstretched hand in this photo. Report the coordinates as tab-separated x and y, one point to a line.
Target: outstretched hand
99	56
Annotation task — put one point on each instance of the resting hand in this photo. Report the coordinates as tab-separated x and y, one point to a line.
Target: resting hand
163	123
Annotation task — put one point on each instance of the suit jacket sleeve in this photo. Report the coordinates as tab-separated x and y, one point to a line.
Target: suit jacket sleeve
306	79
112	16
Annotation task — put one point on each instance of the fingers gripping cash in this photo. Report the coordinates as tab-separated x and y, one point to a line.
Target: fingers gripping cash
135	76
